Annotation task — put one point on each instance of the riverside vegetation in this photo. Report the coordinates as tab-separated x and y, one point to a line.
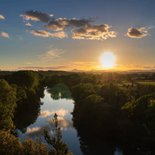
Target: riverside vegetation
111	110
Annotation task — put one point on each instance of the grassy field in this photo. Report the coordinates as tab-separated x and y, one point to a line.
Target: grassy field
152	83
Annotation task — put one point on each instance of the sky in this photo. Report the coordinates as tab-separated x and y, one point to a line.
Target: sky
73	34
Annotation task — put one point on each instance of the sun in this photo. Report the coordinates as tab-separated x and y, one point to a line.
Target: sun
108	60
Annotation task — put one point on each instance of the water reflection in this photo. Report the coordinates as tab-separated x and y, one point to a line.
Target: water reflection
33	117
28	110
63	107
60	91
118	152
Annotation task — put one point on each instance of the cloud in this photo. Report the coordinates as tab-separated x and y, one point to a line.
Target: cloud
28	24
1	17
38	130
37	16
4	35
94	32
50	55
57	25
137	32
75	65
47	34
28	63
79	22
54	53
33	130
78	28
62	23
61	113
59	67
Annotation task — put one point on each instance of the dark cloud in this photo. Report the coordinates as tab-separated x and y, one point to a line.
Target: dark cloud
37	16
80	28
137	32
57	25
79	22
94	32
62	23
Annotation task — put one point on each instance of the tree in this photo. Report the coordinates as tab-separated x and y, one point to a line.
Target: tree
58	147
7	105
29	79
81	91
31	147
9	144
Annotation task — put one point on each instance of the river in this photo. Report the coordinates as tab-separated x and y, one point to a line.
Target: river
63	107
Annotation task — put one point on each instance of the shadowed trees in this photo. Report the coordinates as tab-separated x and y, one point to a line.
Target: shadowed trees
7	105
106	117
109	111
10	145
29	79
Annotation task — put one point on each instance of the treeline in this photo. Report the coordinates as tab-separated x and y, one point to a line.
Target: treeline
20	94
112	110
109	115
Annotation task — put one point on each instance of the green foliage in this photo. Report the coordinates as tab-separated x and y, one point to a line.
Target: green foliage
31	147
7	105
110	108
113	95
28	106
58	147
20	93
29	79
60	91
93	99
24	95
152	83
9	144
80	91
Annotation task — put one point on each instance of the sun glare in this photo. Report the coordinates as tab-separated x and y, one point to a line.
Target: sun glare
108	60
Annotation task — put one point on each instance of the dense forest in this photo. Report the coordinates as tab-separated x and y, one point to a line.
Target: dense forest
20	94
111	109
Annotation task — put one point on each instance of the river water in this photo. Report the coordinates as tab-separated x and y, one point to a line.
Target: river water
63	107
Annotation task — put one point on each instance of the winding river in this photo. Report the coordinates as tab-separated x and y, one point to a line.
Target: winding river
62	104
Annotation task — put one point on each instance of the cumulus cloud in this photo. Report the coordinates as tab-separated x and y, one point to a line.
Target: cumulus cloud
47	34
79	28
33	130
60	113
94	32
1	17
62	23
28	24
4	35
37	16
39	130
137	32
57	25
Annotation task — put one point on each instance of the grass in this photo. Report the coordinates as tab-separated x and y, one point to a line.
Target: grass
150	83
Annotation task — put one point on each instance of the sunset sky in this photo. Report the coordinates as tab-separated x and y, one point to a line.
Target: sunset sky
73	34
